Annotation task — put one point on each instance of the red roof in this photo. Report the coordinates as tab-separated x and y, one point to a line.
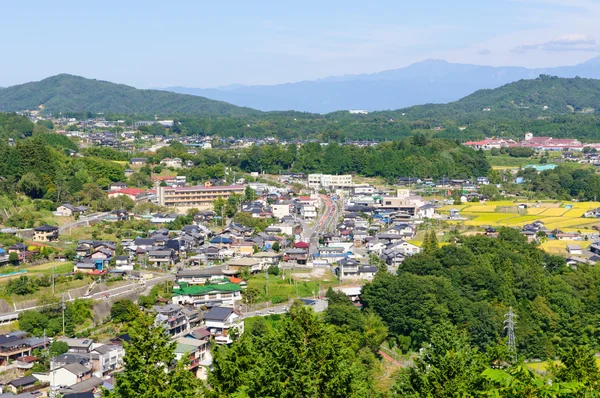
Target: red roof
301	245
235	280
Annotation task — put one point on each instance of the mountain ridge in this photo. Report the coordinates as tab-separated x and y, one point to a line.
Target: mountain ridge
70	93
428	81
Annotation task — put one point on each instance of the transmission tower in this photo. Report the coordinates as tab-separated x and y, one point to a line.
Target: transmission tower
509	326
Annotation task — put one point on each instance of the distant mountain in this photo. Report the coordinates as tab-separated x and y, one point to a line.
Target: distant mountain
531	98
429	81
68	93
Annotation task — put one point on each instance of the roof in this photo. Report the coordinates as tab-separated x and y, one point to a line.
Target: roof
218	313
242	262
301	245
76	368
46	228
83	388
23	381
197	290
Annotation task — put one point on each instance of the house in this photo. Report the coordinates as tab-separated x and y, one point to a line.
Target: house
296	255
574	250
79	346
116	186
196	351
267	259
65	210
222	322
161	258
236	265
176	163
128	172
242	248
17	385
454	214
308	212
45	233
426	211
200	276
66	376
280	210
224	294
122	263
138	161
172	319
106	358
89	266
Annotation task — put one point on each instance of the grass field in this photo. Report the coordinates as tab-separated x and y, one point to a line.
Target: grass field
281	290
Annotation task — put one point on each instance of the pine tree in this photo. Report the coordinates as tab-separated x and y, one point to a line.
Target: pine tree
148	359
430	244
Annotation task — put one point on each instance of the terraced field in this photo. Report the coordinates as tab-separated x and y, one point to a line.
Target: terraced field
566	216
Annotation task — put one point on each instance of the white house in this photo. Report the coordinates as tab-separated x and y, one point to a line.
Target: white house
176	163
280	210
308	212
66	375
221	322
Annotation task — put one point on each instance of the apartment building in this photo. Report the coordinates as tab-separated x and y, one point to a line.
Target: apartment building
329	181
199	197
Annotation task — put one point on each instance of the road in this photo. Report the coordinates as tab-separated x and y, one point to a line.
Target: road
109	295
320	305
85	220
324	223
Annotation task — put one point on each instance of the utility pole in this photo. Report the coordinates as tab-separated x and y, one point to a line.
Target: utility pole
63	313
52	280
267	282
509	326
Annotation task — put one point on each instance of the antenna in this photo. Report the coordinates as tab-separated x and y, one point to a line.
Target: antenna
509	326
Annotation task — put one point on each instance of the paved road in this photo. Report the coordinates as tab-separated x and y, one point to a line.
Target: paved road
107	295
85	220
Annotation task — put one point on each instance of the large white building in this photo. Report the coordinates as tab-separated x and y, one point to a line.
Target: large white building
330	181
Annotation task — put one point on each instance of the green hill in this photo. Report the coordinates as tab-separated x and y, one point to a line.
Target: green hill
544	96
68	93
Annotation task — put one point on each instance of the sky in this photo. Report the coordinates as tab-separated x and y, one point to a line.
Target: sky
195	43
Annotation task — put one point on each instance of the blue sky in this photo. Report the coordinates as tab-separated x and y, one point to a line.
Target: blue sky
207	44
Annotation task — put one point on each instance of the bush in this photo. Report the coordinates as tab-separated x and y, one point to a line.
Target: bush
273	270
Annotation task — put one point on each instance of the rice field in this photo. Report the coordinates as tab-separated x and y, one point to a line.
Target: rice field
553	214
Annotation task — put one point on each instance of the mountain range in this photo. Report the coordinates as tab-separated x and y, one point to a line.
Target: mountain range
68	93
429	81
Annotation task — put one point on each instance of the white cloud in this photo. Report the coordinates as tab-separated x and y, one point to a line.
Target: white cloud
484	51
570	42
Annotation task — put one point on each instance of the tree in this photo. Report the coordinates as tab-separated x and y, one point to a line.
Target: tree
578	364
446	367
58	347
13	258
124	310
250	194
304	357
147	366
430	244
276	247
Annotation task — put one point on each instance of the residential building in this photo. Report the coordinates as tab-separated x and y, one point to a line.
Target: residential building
225	294
196	196
138	161
308	212
172	318
45	233
280	210
221	323
176	163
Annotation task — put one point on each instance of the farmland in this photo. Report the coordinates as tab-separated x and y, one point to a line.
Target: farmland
566	216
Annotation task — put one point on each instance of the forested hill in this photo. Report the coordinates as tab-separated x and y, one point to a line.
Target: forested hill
544	96
68	93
